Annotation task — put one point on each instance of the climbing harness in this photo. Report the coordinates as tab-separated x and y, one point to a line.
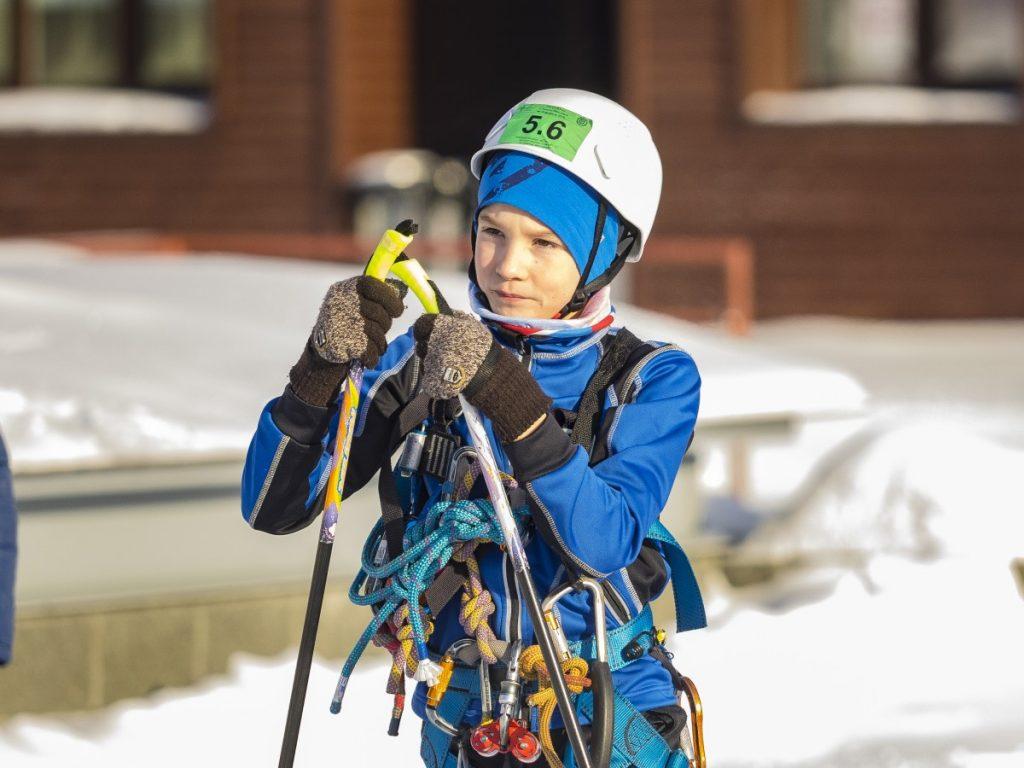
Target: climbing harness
634	740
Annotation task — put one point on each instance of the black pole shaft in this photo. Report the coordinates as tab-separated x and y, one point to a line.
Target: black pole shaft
309	629
550	654
602	725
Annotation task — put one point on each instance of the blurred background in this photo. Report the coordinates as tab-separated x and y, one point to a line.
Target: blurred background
840	246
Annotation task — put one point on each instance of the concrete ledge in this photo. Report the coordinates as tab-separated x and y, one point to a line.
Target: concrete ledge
89	656
133	580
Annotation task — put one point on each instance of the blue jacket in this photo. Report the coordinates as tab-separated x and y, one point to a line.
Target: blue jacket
8	557
590	520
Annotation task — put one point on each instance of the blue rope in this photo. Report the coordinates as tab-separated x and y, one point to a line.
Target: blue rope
428	545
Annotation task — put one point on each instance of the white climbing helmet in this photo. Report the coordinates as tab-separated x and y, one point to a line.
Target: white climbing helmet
597	140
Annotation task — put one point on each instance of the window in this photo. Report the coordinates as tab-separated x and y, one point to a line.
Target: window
952	43
6	42
147	44
977	44
176	50
881	60
72	42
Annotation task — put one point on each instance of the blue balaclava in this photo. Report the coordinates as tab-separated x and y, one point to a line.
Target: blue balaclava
566	205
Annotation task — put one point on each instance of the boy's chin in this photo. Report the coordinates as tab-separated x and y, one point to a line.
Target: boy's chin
515	308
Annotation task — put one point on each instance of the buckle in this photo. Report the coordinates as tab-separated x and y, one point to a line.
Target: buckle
438	448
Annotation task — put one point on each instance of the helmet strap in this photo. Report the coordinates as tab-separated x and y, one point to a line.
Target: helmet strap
627	239
580	295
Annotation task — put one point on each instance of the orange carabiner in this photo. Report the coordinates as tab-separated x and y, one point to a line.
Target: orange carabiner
696	723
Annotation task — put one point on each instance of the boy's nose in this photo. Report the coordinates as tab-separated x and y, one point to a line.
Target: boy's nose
514	263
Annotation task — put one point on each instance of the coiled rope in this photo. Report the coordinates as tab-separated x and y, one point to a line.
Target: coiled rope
447	530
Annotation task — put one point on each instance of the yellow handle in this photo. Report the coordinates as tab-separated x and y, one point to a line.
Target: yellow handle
390	247
387	259
410	272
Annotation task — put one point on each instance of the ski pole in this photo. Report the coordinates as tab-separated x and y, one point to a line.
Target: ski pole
412	274
384	255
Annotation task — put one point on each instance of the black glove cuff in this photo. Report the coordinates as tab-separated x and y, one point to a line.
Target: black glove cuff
316	381
544	450
504	390
304	423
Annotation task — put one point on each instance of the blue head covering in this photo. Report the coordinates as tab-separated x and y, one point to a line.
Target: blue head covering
554	196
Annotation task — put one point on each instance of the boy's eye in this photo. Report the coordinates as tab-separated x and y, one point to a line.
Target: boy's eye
545	243
492	231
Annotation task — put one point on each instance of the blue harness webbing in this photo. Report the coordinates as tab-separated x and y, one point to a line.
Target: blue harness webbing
685	590
636	743
638	629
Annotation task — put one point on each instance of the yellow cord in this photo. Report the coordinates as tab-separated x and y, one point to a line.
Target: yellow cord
477	606
531	662
403	634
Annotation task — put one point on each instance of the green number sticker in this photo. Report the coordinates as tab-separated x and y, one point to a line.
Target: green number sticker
555	128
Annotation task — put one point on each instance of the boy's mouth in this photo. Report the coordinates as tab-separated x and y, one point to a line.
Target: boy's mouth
506	296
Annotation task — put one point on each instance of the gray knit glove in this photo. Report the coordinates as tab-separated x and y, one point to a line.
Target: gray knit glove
461	356
352	324
354	319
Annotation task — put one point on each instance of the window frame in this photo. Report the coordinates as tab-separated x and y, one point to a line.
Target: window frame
777	63
131	51
773	67
928	50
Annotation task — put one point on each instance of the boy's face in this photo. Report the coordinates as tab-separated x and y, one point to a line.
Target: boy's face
521	265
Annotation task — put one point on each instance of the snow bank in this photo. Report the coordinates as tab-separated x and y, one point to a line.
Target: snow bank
921	487
136	359
232	721
912	659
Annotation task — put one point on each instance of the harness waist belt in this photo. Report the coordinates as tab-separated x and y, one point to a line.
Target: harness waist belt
638	633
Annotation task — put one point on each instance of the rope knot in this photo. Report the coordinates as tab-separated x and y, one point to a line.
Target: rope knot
531	662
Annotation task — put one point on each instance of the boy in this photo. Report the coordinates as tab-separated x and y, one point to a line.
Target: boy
569	187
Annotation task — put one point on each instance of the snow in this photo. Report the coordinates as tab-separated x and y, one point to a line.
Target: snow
896	644
138	359
880	104
231	721
911	658
917	644
52	109
921	488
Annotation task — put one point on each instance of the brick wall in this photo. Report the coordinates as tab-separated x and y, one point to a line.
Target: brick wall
370	65
258	166
905	222
915	221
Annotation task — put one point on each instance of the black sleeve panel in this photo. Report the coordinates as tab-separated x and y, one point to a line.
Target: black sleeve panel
648	573
304	423
282	505
543	451
282	508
